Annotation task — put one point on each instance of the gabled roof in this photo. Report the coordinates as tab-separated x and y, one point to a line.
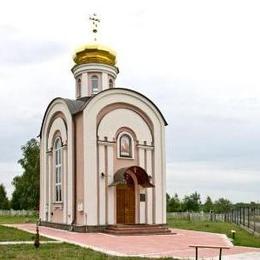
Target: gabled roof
77	105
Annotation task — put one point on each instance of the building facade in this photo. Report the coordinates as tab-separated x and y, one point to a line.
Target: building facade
103	153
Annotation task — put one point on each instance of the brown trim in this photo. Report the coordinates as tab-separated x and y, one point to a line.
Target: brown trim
45	115
53	118
121	105
132	91
57	134
125	129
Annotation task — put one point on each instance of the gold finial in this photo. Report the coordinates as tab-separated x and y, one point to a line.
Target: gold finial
94	23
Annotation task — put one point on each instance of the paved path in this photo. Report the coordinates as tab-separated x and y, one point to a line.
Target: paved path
152	245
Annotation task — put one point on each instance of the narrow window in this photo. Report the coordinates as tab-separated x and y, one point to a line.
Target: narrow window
111	83
78	88
125	146
58	169
94	84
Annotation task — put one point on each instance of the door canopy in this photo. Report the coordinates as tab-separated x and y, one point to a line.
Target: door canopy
123	176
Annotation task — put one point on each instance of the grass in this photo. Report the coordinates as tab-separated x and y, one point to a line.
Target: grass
242	237
61	251
13	234
18	219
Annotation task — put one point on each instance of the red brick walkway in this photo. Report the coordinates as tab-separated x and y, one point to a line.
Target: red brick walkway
150	246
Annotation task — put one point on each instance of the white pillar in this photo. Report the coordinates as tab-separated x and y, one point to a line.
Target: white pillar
164	206
104	81
149	191
111	191
102	185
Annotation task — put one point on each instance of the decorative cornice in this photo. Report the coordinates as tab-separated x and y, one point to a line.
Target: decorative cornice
146	147
107	143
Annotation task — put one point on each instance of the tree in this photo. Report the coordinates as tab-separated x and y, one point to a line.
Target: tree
222	205
27	190
192	202
208	205
174	204
4	202
168	197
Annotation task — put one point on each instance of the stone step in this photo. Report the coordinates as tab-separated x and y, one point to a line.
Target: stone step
140	229
136	226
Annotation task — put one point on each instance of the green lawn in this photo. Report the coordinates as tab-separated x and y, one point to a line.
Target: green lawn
17	219
58	251
13	234
242	238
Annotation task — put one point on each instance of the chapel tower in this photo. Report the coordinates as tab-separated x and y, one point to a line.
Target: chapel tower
95	69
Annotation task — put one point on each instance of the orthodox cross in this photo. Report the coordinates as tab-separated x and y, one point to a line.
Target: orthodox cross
94	23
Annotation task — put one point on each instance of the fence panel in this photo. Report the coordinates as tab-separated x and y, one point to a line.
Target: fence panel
197	216
12	212
247	217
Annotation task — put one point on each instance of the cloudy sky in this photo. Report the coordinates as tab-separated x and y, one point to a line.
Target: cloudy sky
198	60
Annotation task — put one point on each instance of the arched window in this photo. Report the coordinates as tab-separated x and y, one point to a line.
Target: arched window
111	83
78	88
125	146
94	84
58	169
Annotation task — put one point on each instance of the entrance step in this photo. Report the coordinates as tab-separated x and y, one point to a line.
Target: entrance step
138	229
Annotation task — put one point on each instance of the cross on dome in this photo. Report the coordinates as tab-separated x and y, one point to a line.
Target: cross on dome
94	23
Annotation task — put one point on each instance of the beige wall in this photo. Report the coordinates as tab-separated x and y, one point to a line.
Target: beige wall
57	212
79	169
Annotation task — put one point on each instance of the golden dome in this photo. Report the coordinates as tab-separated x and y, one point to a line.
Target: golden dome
95	53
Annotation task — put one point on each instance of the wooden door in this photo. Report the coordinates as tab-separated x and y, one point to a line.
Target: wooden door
125	198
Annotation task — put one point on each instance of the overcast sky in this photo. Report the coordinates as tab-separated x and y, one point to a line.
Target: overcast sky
199	61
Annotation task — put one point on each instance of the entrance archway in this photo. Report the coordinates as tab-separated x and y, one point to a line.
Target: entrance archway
127	181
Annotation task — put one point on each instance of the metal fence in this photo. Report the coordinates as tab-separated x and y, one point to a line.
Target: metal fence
200	216
248	217
12	212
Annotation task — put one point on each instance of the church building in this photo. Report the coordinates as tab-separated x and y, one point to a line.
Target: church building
102	154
